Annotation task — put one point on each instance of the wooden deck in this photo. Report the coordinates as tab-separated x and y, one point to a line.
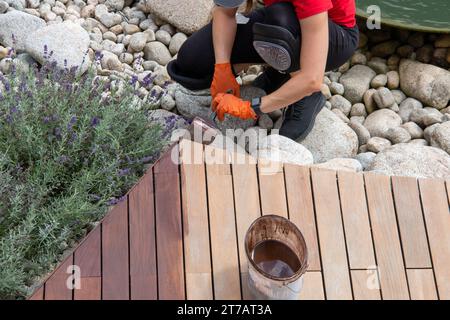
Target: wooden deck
179	233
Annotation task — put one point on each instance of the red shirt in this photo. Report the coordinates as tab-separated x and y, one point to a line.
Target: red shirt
341	12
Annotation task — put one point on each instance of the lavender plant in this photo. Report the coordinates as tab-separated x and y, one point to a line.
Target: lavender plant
68	150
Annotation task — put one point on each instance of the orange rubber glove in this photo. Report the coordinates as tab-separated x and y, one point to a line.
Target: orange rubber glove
227	103
224	81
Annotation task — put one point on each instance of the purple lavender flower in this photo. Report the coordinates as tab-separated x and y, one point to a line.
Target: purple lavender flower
10	52
46	120
73	120
114	201
124	172
146	159
107	86
23	85
68	87
73	137
62	159
133	80
129	160
95	121
98	56
45	51
148	80
6	84
57	132
71	123
14	41
95	197
73	71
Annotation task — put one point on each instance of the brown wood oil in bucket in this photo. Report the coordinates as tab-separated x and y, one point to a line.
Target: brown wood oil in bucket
276	259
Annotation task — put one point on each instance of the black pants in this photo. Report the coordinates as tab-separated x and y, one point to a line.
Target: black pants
194	66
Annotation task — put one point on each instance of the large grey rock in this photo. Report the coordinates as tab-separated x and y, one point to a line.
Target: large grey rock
4	6
176	42
115	4
68	41
407	159
426	117
397	135
340	103
428	83
356	82
383	98
377	144
17	4
108	19
361	131
413	129
379	121
428	132
183	14
365	159
440	137
341	164
18	24
330	138
198	103
157	51
281	149
407	106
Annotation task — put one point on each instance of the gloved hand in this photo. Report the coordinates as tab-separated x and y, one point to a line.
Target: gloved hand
224	81
227	103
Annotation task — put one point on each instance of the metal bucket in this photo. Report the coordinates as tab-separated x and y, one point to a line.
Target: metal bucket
264	285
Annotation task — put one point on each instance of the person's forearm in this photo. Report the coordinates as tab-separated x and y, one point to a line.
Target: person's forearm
224	32
298	87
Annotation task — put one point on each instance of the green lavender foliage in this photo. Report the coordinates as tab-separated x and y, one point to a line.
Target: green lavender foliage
67	152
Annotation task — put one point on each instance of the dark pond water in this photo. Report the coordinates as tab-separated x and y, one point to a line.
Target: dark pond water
426	15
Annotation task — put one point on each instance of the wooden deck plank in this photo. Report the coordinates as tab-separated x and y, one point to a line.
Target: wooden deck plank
246	194
195	223
437	218
386	238
143	273
411	223
312	286
115	273
169	235
365	284
56	287
223	231
301	209
356	220
88	258
272	188
421	284
331	235
38	294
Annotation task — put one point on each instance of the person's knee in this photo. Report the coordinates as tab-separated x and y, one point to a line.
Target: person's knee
283	14
186	58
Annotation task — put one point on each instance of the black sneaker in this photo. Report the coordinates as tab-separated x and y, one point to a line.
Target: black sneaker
300	117
270	80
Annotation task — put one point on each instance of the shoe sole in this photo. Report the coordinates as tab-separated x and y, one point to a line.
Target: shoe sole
274	55
313	121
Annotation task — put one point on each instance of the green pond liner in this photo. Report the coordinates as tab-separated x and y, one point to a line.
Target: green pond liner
426	15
